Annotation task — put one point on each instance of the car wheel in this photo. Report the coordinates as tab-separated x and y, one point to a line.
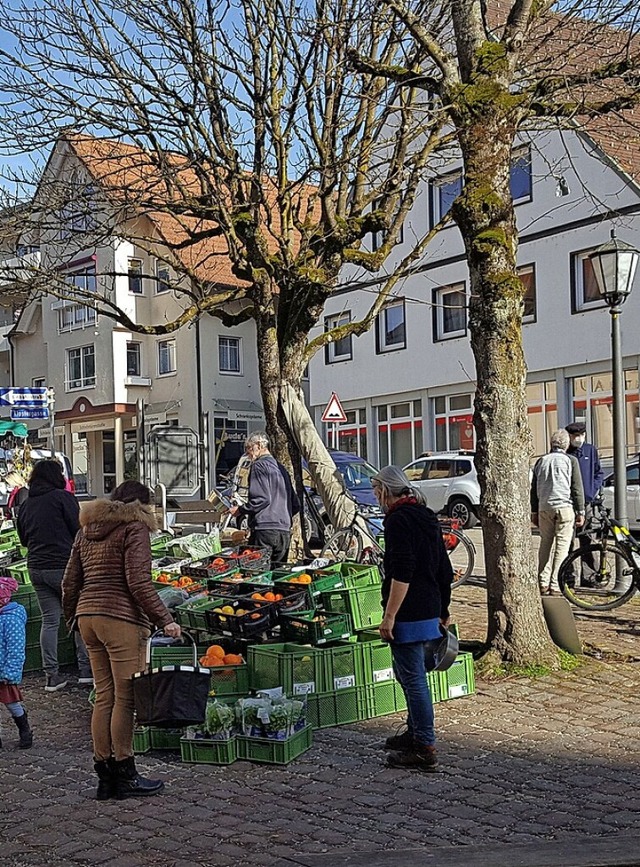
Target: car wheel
461	509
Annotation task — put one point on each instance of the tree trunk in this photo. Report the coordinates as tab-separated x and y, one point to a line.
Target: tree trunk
517	632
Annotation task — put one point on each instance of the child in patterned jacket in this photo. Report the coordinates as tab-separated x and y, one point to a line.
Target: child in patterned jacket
13	618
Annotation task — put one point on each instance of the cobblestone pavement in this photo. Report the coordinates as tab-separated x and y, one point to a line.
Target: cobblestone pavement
556	758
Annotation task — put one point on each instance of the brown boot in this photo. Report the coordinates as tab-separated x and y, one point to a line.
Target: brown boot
421	757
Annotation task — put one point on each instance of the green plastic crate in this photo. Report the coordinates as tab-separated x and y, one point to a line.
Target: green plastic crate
26	596
298	670
275	752
360	575
66	654
33	627
192	613
459	680
205	751
321	579
230	679
376	657
19	571
328	709
165	739
174	655
362	604
141	740
384	698
343	666
303	627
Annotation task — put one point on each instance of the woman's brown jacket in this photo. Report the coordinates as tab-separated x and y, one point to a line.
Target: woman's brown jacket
109	571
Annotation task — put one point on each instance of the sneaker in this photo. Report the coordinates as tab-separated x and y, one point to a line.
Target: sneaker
402	742
421	757
55	682
85	680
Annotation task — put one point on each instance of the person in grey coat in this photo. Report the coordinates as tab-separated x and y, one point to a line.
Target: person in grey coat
557	505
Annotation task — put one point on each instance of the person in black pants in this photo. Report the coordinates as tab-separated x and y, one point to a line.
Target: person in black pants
47	525
272	503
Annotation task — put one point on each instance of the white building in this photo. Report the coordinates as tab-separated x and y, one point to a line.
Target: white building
408	384
100	371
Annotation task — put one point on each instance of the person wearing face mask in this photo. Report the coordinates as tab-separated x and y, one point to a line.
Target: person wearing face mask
591	472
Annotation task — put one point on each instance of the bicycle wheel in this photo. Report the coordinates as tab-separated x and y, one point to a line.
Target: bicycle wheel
587	577
462	555
345	544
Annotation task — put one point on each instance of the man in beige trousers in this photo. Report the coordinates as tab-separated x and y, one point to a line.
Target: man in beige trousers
557	505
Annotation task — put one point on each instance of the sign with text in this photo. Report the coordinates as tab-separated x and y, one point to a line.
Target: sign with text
36	397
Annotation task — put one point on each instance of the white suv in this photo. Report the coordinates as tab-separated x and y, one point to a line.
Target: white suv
449	483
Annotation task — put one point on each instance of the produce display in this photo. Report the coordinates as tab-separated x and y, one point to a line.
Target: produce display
288	650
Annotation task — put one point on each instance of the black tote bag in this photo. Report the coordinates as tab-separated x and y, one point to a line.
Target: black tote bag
171	696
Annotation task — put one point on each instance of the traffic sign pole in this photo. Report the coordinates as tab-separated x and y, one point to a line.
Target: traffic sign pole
51	399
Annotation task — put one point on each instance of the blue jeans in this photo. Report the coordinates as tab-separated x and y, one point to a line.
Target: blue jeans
48	586
410	665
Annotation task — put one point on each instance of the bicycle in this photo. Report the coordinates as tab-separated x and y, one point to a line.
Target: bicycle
347	544
588	576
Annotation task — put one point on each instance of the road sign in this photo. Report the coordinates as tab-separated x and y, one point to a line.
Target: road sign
36	397
333	411
29	412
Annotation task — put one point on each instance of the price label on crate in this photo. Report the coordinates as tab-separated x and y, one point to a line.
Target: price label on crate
382	674
344	682
304	688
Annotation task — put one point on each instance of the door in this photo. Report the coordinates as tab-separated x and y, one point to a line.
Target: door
436	481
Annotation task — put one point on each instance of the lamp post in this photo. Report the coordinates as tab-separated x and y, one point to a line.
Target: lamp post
614	266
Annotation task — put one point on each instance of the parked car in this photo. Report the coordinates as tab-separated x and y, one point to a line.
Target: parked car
633	494
450	484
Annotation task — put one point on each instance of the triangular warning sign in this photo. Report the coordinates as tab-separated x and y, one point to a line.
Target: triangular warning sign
333	411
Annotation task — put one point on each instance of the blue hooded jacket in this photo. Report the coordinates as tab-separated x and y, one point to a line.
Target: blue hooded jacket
590	469
13	618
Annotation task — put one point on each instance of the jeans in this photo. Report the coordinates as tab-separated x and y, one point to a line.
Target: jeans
556	533
48	586
117	650
15	708
410	665
277	540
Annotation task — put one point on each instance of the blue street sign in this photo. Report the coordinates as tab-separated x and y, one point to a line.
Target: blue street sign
36	397
29	412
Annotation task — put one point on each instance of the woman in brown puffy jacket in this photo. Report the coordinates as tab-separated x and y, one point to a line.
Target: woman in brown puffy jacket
107	594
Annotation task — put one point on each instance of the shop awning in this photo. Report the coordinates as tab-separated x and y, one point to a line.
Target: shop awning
16	428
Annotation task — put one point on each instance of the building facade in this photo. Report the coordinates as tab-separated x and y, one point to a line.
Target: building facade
407	386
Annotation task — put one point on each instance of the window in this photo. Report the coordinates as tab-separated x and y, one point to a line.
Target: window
390	328
450	312
542	413
84	281
81	367
39	382
453	416
133	359
229	355
593	404
400	432
527	275
135	276
585	294
520	175
166	357
349	436
339	350
416	471
439	469
444	192
75	316
163	278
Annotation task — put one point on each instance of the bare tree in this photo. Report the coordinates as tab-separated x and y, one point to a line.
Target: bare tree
280	138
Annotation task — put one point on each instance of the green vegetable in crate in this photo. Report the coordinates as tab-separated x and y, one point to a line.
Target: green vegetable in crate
278	721
219	720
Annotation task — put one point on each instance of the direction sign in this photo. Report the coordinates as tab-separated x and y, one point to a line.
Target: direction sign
333	411
29	412
36	397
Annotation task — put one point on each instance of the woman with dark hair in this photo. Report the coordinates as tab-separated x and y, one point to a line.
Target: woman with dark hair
109	597
47	525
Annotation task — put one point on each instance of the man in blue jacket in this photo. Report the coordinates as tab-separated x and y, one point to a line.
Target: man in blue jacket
590	470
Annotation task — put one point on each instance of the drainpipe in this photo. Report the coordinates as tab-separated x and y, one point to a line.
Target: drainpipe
202	428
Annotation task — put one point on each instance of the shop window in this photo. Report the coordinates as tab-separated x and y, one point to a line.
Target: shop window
542	413
454	422
399	432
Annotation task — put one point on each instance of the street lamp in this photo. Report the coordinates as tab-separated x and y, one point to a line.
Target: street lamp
614	266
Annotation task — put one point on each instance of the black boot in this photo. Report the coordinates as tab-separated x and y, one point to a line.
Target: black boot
107	783
26	735
131	784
